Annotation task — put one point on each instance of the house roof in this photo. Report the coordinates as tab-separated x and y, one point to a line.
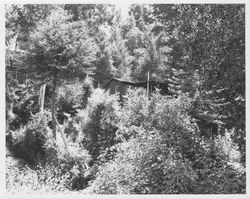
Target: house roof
132	83
125	82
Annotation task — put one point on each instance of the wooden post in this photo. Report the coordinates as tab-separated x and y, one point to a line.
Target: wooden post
53	104
148	86
41	98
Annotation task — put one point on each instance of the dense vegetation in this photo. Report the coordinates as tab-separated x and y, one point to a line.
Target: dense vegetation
81	138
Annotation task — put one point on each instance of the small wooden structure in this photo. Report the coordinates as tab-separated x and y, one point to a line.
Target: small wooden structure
121	86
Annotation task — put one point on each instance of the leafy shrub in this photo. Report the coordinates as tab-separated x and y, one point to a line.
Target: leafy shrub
223	173
28	142
239	137
99	122
43	179
22	105
168	115
217	164
229	151
144	165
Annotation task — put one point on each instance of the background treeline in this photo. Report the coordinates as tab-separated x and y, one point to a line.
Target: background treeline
86	139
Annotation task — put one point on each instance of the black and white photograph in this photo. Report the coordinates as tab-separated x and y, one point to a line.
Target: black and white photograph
125	98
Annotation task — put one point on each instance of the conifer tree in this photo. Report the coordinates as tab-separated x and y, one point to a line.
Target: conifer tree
60	49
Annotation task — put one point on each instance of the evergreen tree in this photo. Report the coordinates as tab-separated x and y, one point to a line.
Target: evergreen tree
208	43
60	49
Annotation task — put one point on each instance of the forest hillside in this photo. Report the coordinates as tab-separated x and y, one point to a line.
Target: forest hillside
67	132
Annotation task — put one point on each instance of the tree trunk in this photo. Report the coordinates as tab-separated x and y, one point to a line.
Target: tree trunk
53	104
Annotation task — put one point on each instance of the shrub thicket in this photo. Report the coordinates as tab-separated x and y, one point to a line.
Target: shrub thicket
144	146
161	152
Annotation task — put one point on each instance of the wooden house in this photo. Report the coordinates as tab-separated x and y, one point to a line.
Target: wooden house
121	86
